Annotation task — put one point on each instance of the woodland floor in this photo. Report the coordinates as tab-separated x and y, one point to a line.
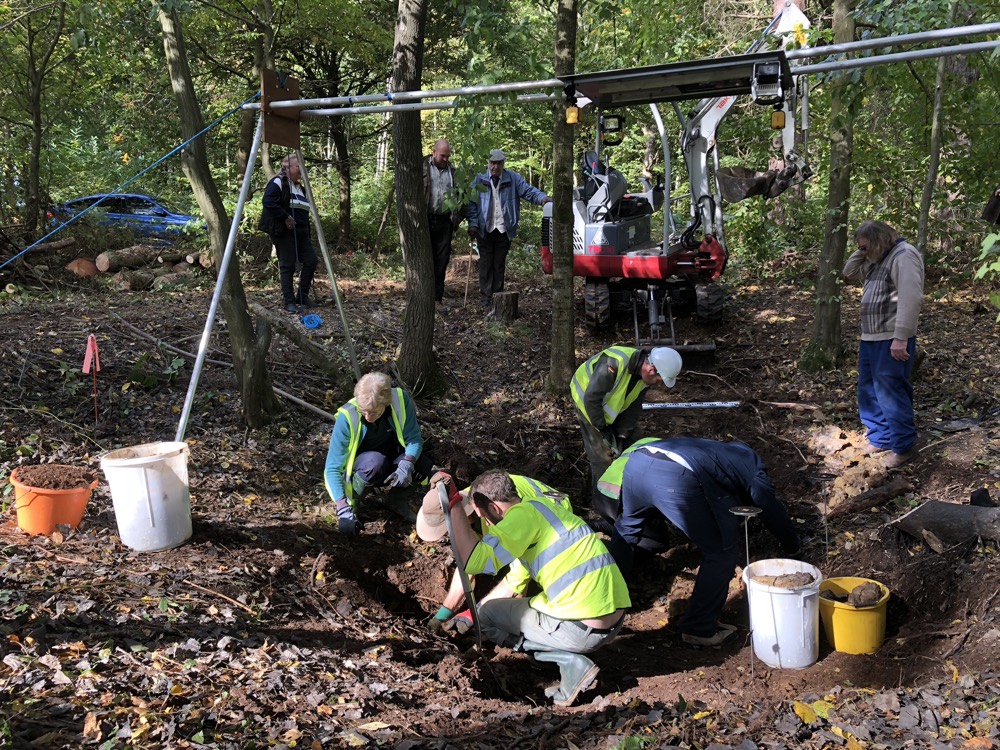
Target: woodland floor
269	629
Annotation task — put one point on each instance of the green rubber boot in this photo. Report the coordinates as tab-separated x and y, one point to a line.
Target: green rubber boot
360	487
578	674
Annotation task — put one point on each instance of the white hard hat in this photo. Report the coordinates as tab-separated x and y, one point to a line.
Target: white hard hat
667	363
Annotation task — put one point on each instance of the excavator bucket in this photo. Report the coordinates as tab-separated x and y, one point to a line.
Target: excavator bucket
739	183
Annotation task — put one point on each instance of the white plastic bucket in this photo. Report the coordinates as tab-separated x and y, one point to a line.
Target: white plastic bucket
785	622
149	490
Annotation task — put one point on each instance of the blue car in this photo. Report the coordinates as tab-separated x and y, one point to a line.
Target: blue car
143	214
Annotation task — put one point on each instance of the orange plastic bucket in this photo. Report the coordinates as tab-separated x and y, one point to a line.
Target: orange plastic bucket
40	510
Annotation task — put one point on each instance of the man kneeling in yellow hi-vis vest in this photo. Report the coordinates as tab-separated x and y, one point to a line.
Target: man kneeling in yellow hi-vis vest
583	594
608	391
431	527
376	439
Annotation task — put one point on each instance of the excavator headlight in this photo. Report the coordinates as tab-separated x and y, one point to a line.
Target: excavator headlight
765	87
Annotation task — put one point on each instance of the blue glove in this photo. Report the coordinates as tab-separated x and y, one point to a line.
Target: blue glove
347	522
403	475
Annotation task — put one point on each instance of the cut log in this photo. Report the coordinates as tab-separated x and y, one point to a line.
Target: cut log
193	258
291	328
170	280
133	281
82	267
57	245
169	257
182	267
870	499
944	525
504	306
206	260
128	257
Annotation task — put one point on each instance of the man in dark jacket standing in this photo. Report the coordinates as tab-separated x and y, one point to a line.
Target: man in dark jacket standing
494	213
439	186
288	210
694	482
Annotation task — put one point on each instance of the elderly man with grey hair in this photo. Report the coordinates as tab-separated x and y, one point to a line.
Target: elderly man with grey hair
892	271
376	439
494	213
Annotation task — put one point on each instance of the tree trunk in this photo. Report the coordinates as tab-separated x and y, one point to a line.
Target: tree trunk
562	362
343	163
416	365
249	347
39	51
932	168
263	57
824	350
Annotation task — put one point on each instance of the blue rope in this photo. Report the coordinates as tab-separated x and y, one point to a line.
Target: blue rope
125	184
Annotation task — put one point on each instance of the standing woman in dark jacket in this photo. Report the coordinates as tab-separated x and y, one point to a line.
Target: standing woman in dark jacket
288	209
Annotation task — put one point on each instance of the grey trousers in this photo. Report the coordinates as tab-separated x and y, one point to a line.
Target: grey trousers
511	622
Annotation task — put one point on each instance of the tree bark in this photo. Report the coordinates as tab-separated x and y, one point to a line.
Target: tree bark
562	361
944	525
133	281
416	365
504	306
136	256
824	350
249	346
869	499
927	197
343	164
38	52
263	57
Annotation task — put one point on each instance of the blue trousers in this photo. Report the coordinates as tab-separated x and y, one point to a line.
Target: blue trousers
371	468
652	482
885	395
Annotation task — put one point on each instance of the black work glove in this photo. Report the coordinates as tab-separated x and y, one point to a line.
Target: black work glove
612	441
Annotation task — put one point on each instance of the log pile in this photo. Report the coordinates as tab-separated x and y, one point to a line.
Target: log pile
141	267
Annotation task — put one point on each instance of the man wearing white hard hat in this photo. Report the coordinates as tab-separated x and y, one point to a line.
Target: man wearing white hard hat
608	390
431	527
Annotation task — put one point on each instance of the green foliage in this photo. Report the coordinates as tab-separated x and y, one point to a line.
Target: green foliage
989	257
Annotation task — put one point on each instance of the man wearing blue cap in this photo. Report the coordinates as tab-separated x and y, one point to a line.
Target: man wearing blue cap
493	216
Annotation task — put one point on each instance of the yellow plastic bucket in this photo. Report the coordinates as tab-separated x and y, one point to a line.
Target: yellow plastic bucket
852	630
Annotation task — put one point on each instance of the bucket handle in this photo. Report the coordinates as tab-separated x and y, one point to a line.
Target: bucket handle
149	498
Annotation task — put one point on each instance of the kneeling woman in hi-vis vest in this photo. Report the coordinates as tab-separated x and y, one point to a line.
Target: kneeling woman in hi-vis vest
376	439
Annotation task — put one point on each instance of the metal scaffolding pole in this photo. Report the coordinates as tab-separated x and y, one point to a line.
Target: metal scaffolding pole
415	96
892	41
321	238
213	308
383	108
917	54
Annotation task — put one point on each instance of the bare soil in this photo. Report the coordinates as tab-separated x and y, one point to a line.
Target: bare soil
55	476
268	628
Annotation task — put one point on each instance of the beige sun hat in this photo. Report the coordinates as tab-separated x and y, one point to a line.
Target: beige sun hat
431	524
